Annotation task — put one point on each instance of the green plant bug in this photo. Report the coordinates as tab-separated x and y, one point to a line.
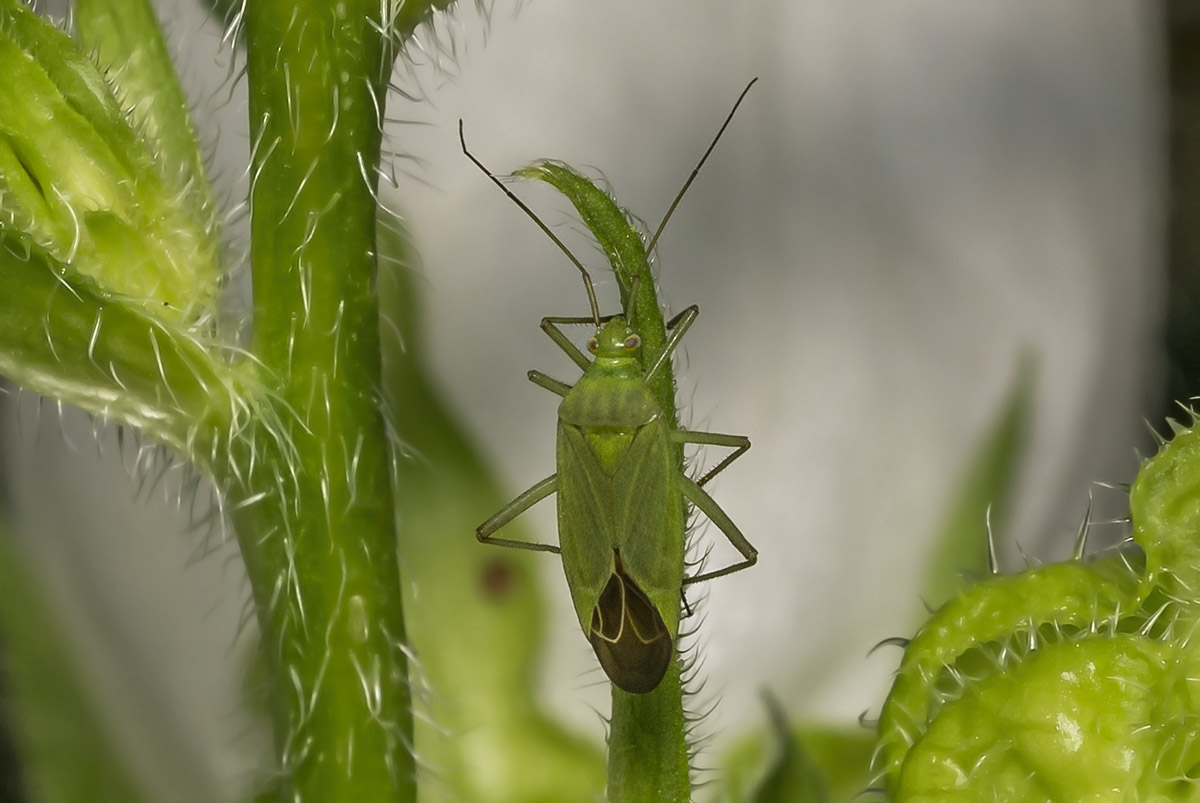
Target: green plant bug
621	517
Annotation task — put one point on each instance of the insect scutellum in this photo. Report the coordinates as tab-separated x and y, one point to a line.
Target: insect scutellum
619	482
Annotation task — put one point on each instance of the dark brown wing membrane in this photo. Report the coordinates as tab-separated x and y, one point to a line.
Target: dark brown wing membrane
628	635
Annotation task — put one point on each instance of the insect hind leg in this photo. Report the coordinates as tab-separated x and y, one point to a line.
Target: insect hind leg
739	443
708	506
516	507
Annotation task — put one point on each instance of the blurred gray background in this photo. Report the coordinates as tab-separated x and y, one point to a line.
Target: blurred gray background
914	194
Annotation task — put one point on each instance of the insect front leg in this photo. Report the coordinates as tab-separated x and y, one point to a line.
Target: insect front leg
550	327
739	443
549	383
708	506
515	508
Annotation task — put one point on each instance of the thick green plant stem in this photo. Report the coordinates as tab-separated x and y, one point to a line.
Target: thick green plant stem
108	273
313	502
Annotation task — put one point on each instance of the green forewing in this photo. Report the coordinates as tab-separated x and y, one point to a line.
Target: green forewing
630	511
616	491
585	523
649	510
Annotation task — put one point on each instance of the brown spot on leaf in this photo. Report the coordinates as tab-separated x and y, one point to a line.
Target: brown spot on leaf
497	578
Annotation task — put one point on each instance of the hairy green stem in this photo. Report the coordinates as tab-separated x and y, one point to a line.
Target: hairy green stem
314	516
642	764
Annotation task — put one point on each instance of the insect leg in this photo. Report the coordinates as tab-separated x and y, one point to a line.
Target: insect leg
739	443
706	505
550	327
515	508
677	326
549	383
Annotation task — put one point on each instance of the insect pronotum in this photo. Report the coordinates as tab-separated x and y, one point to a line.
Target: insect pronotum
621	524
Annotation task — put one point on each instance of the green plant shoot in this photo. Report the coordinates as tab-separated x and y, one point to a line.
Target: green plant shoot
621	518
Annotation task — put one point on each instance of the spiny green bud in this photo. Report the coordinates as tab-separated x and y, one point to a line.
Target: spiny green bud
90	185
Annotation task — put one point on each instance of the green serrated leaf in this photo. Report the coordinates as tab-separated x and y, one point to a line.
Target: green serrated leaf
791	776
983	496
486	728
1166	516
794	763
1068	681
1003	610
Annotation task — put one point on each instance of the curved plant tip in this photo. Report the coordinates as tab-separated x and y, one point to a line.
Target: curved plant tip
621	240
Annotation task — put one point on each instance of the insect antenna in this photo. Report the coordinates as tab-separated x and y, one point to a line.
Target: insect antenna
695	171
587	279
631	301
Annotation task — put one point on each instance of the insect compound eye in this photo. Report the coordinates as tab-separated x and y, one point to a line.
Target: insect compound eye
633	342
593	345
